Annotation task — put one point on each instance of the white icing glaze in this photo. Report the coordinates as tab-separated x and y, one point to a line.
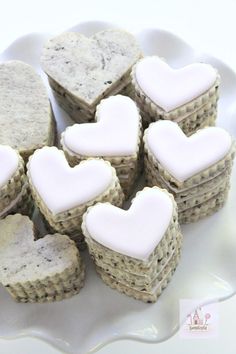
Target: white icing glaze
183	156
9	161
135	232
171	88
62	187
114	134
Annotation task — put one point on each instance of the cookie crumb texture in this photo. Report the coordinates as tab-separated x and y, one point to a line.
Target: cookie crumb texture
82	70
90	67
45	270
26	118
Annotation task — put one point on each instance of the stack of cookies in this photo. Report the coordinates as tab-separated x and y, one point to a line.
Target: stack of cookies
14	189
26	118
63	193
187	96
195	169
82	71
45	270
135	251
116	137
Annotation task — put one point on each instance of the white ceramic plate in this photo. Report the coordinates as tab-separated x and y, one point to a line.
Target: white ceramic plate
98	314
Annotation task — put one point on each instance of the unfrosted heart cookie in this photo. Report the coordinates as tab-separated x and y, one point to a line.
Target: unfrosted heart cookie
14	191
135	250
63	193
26	117
195	169
185	95
48	269
84	70
116	137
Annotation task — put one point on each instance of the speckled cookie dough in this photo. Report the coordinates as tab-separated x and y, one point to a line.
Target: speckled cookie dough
26	117
144	295
48	269
84	70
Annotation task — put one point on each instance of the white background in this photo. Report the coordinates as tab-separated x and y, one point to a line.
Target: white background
208	25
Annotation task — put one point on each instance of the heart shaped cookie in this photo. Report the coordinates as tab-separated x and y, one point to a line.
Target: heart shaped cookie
182	156
135	232
115	133
37	271
63	193
26	117
9	163
62	187
187	95
83	70
135	251
195	169
171	88
116	137
14	191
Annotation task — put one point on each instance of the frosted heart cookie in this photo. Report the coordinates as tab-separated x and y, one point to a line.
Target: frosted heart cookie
187	95
115	137
63	193
195	169
82	70
135	251
14	189
45	270
26	117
